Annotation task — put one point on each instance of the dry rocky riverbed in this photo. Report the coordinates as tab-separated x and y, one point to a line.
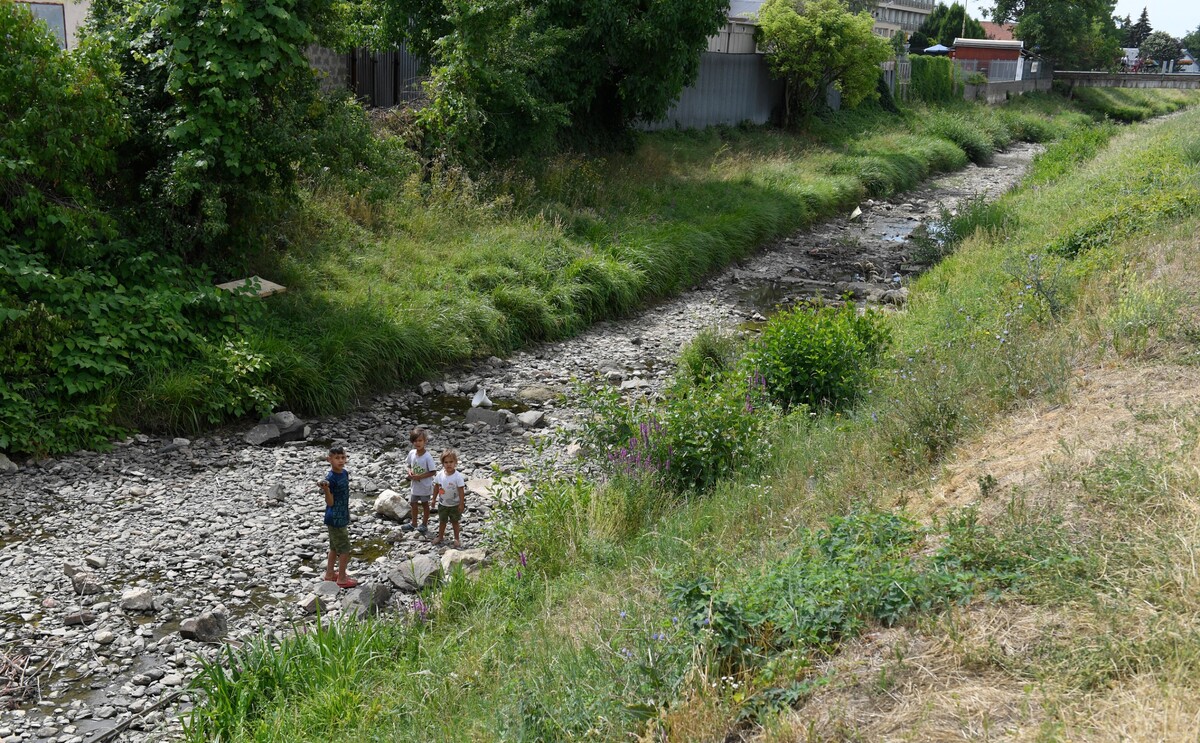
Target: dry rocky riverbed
118	570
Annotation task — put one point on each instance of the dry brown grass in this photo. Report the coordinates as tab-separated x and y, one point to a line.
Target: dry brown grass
1006	671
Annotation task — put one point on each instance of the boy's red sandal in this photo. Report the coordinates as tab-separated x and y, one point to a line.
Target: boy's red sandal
347	583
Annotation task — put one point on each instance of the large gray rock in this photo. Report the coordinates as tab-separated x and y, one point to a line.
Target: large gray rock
392	505
368	598
137	599
76	618
264	434
467	558
537	393
279	428
415	574
485	415
311	604
86	583
532	419
210	626
7	465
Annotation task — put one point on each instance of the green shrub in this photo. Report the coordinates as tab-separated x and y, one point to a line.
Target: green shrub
818	356
934	80
697	436
710	354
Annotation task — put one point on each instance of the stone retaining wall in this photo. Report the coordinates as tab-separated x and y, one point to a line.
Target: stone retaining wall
1176	80
994	93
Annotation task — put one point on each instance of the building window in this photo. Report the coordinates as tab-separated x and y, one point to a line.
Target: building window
55	18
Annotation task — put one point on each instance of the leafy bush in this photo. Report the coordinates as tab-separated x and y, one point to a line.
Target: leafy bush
710	354
818	356
697	436
61	125
516	76
819	43
224	106
934	80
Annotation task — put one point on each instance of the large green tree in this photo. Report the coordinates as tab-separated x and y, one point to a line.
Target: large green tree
1191	41
1139	31
945	24
1160	47
1073	34
511	76
222	103
818	43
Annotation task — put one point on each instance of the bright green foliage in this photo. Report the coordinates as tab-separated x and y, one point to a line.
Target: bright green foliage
944	25
818	356
696	437
1073	34
224	106
817	44
861	568
1191	41
60	125
83	311
934	80
1159	47
513	76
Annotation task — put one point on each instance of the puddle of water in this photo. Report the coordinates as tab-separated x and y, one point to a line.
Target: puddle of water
372	550
432	408
765	298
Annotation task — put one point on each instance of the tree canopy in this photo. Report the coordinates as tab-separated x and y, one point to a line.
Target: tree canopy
944	25
817	44
1191	41
1139	31
1073	34
510	76
1159	46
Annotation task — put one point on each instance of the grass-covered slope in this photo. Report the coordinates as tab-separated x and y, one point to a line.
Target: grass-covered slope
1009	501
395	274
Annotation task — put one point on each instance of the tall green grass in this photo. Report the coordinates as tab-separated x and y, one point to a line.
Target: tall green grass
400	272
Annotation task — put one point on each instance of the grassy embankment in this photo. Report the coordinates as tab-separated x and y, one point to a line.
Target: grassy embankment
1063	595
390	277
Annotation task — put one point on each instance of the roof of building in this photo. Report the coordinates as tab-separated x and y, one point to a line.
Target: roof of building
998	31
990	43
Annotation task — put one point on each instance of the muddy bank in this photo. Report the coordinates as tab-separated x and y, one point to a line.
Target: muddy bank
104	557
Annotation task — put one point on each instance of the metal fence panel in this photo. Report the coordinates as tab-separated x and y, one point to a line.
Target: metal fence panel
1001	71
730	89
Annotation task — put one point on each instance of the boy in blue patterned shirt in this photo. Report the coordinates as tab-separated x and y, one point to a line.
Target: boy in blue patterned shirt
336	487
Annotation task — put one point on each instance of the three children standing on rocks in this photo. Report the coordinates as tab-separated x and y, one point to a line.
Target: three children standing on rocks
446	489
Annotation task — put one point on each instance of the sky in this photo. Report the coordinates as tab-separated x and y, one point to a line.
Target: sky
1176	17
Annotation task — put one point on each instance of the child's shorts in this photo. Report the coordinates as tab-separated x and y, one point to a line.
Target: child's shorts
449	513
339	540
419	498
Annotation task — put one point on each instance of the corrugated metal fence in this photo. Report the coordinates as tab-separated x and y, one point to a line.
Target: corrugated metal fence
730	89
385	79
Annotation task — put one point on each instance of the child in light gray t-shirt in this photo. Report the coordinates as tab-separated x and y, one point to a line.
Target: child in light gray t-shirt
421	471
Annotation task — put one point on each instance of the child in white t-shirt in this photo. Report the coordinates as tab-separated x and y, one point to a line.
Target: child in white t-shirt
421	471
451	496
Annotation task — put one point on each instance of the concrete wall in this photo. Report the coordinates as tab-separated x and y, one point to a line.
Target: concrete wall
995	93
730	89
333	68
1178	80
